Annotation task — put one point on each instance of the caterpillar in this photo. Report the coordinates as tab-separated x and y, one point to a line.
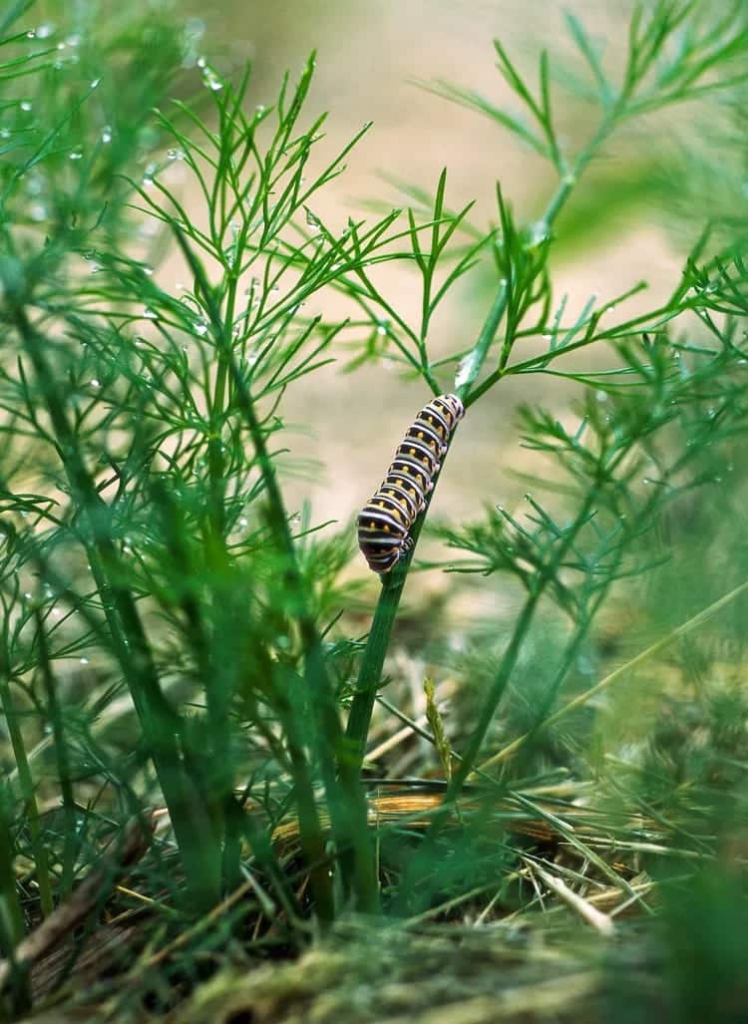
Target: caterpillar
385	522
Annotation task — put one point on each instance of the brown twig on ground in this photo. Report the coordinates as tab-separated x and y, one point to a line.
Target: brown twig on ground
87	897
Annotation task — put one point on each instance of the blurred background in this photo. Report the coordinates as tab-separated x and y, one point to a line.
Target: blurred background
373	61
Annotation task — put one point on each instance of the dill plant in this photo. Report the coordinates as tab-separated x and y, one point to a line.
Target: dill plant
145	527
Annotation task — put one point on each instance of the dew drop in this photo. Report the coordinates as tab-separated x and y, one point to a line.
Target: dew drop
106	133
539	233
84	661
25	106
211	80
94	383
45	30
76	154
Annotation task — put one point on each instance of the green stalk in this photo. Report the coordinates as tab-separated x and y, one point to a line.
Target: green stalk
11	915
11	921
466	763
473	363
311	834
217	690
509	660
567	659
493	698
61	756
346	802
159	723
372	663
378	641
26	784
389	598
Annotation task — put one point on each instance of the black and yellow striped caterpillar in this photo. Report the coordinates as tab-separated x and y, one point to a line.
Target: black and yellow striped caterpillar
385	522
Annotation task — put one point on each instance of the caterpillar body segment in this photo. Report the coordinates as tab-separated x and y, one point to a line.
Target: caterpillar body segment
385	522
